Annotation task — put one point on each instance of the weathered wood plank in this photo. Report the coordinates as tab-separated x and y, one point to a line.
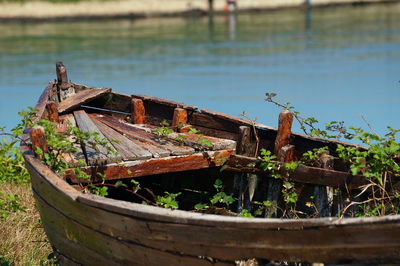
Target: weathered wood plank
80	98
106	248
164	147
128	149
100	155
138	111
203	142
155	166
66	121
165	102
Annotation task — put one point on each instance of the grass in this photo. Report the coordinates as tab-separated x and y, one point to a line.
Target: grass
23	241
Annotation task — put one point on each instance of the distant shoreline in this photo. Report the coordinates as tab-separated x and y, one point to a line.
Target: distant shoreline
134	9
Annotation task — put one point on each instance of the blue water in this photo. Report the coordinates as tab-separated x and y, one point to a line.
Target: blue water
332	64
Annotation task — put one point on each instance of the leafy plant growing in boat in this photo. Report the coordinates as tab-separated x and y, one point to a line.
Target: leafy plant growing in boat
379	163
220	198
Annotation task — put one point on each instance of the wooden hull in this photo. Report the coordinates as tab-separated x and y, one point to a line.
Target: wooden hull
88	229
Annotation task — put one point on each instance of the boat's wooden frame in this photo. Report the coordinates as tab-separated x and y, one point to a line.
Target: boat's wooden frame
88	229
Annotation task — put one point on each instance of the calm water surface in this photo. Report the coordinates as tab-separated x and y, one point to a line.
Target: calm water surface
333	64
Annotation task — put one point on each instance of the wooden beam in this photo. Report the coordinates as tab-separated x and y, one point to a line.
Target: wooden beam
156	166
302	174
138	111
80	98
38	139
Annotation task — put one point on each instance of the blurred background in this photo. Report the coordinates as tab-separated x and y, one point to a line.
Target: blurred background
333	63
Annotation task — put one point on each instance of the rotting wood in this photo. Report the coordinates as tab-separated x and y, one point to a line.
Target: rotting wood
52	112
65	89
302	174
285	153
67	121
80	98
180	118
284	130
62	77
241	180
156	166
138	111
136	133
165	102
100	154
128	149
38	139
323	196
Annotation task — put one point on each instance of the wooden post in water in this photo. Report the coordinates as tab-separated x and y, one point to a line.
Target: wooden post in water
138	111
284	153
38	140
52	112
179	119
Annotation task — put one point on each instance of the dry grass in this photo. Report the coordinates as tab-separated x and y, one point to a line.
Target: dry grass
23	241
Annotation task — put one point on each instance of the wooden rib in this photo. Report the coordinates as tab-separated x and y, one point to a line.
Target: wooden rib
321	201
180	118
38	139
241	180
128	149
284	130
143	136
138	111
165	102
102	155
80	98
156	166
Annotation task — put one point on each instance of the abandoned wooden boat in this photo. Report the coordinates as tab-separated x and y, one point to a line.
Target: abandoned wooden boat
88	229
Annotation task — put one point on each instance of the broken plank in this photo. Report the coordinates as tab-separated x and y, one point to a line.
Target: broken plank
144	136
98	154
302	174
128	149
67	121
156	166
81	98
